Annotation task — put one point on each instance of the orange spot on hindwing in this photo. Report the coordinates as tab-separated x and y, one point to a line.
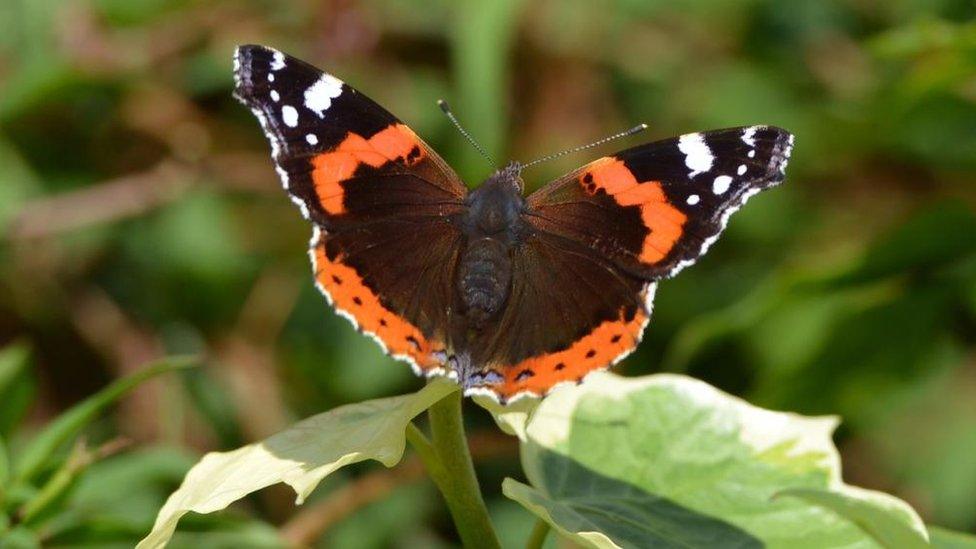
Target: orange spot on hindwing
606	343
351	297
664	222
330	169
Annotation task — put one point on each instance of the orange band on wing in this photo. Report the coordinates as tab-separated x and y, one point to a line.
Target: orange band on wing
664	222
330	169
350	296
606	343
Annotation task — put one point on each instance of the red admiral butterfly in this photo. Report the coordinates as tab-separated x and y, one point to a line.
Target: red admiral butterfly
510	295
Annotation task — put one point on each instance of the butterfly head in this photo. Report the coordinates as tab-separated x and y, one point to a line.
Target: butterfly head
497	203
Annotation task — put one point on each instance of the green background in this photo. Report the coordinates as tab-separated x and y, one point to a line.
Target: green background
140	216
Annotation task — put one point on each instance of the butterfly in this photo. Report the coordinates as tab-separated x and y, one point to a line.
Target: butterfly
510	295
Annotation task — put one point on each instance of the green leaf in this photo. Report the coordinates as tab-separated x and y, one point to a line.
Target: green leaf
947	539
669	459
300	456
37	453
14	360
481	39
20	538
4	469
511	418
16	385
934	236
885	518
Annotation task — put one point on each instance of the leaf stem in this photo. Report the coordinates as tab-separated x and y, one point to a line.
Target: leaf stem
538	536
448	461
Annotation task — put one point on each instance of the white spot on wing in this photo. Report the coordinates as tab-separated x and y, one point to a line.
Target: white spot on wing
693	199
270	77
752	153
748	136
721	184
278	61
274	96
742	169
698	157
312	139
319	96
289	115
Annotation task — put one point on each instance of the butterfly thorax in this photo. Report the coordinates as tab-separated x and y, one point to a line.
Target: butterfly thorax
492	225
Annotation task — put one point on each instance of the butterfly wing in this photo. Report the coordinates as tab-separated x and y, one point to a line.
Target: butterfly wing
602	235
570	311
656	208
381	201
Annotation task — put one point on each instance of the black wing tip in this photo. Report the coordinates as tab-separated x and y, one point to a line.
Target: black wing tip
778	143
782	150
251	61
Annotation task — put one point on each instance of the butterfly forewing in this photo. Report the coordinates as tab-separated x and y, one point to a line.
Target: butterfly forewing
341	157
380	198
656	208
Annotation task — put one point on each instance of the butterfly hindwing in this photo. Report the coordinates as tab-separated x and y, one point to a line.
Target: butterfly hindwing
570	312
380	200
656	208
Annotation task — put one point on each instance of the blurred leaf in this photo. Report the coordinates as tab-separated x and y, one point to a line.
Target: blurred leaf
361	368
196	235
619	461
216	406
19	538
481	39
16	386
4	471
300	456
146	477
387	523
39	450
14	360
948	539
57	487
18	182
932	237
227	533
132	12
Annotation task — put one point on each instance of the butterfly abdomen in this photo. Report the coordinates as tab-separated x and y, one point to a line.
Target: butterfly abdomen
484	277
492	226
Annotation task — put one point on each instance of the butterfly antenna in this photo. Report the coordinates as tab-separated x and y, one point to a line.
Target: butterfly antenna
636	129
450	115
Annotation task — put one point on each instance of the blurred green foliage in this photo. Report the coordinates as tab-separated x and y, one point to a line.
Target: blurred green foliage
140	216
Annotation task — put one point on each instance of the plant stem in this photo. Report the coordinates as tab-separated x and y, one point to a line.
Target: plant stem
448	462
538	536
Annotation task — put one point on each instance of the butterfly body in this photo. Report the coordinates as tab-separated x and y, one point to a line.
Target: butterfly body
509	294
493	228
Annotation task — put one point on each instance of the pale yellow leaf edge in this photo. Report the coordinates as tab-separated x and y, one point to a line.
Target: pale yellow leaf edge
228	469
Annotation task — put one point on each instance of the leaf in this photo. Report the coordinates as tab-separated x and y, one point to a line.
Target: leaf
671	460
511	418
14	360
300	456
4	469
482	36
934	236
948	539
16	385
36	454
885	518
20	538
